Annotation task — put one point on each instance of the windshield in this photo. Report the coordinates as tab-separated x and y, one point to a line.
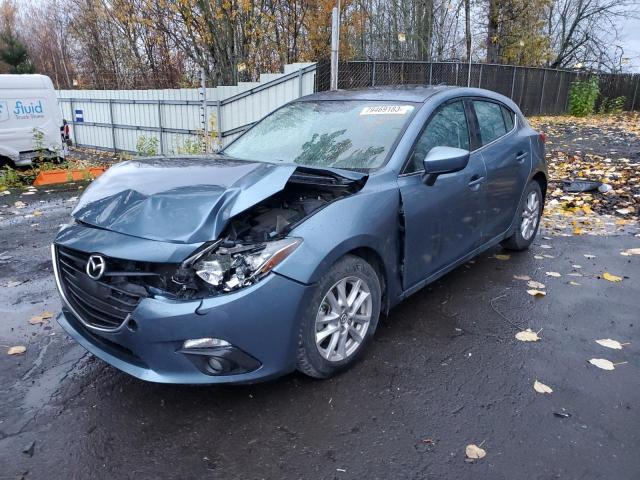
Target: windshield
341	134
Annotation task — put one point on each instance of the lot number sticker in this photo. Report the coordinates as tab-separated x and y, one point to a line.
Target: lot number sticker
387	110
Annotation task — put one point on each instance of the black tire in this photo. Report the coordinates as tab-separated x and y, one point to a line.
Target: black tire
310	361
516	241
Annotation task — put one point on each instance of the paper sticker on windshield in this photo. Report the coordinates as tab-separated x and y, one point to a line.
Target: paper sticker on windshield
387	110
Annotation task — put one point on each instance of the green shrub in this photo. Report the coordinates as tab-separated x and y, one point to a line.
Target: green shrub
147	146
582	97
612	105
192	146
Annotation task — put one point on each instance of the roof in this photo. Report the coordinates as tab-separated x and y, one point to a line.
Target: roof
401	93
24	82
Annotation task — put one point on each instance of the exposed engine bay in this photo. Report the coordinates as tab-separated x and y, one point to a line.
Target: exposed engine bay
254	241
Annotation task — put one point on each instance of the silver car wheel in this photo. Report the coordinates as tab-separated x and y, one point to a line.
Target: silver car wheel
343	319
530	216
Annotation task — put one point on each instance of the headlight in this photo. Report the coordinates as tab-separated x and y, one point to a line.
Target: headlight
242	265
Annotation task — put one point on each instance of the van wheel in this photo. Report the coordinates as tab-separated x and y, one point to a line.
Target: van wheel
340	319
528	219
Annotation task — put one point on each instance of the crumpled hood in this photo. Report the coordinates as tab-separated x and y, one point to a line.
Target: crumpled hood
181	200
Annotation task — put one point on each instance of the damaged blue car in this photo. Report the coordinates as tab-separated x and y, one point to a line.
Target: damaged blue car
282	251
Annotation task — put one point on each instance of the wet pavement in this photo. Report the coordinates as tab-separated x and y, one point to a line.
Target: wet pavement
443	371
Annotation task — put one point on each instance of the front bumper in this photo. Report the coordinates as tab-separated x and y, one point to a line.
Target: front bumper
260	321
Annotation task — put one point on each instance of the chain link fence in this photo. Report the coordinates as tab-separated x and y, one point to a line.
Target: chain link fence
537	91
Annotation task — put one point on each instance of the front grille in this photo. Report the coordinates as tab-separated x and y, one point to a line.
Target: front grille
105	303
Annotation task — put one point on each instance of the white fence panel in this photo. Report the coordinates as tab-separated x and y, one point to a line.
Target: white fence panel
119	119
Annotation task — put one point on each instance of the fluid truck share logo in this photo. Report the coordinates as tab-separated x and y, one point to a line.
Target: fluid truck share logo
28	108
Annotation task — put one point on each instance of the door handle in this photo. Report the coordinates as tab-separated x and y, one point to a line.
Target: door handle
520	156
475	182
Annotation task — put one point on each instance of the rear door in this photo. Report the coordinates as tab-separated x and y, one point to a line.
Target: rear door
507	155
443	221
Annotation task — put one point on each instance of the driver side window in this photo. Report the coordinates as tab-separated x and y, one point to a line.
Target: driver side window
447	128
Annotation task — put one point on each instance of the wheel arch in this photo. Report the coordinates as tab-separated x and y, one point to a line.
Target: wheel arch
541	178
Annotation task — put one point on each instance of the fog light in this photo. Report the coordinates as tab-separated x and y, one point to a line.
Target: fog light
215	365
205	343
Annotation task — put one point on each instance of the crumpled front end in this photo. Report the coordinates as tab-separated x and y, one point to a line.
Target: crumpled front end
244	336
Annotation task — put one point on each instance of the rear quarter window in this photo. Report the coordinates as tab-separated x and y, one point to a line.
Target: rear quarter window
508	116
490	120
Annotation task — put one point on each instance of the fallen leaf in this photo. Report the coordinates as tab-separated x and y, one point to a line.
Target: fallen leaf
541	387
534	284
474	452
502	256
623	211
527	335
611	277
602	363
607	342
545	246
522	277
17	350
42	318
19	204
552	274
589	256
575	284
631	251
13	283
536	293
538	257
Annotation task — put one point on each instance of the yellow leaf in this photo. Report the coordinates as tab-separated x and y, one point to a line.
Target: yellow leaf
631	251
541	387
534	284
17	350
474	452
611	277
502	257
42	318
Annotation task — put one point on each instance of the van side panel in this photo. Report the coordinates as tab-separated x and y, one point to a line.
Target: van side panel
30	117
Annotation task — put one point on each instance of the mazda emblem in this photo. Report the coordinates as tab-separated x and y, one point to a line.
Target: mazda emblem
96	266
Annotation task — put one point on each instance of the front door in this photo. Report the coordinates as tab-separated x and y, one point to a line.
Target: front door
443	222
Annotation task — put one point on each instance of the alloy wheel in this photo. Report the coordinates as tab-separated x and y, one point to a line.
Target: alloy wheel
530	216
343	319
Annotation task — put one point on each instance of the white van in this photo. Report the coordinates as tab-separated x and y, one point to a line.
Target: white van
31	124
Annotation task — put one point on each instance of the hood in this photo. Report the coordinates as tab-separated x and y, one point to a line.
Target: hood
180	200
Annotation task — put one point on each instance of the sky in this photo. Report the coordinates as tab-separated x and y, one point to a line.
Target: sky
630	42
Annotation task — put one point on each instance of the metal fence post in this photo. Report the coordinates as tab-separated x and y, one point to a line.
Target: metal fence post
219	121
544	78
635	91
430	73
480	76
113	127
73	120
558	91
513	82
373	75
161	127
300	82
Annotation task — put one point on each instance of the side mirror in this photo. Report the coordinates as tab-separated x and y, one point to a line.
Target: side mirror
441	160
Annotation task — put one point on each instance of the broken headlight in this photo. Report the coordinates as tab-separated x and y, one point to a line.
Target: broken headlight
229	268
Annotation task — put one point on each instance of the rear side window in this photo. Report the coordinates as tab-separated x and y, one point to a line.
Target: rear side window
447	128
508	118
490	120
